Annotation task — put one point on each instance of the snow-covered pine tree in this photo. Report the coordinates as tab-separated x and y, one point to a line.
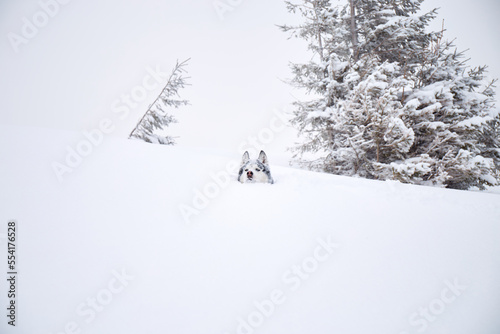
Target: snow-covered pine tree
451	110
157	116
392	101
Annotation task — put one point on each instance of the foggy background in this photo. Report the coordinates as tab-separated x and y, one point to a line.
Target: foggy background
72	72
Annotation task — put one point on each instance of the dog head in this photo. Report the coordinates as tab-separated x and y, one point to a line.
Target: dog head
255	170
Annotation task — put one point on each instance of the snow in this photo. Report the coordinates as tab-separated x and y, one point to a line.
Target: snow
338	66
427	94
474	121
108	250
413	104
435	125
412	166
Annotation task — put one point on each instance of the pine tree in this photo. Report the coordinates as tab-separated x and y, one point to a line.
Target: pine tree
391	100
157	117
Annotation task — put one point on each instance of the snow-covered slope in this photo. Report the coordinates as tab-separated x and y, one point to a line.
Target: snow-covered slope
143	238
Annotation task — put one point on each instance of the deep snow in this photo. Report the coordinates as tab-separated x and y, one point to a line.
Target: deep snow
144	238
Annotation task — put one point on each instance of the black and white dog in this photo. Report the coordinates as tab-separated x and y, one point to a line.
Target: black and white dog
255	170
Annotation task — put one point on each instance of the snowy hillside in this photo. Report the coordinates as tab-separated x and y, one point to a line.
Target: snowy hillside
143	238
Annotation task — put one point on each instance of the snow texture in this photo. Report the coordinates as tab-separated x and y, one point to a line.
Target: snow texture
313	253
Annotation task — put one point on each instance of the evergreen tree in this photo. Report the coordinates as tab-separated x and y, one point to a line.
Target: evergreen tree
157	117
391	100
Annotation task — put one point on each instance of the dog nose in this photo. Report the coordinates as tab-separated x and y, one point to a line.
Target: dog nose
249	173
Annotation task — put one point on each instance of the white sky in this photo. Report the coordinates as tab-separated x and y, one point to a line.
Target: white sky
91	52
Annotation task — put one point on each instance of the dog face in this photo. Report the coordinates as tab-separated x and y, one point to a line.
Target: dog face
255	170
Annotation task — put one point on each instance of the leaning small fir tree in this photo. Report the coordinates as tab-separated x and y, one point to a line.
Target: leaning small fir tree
157	117
392	101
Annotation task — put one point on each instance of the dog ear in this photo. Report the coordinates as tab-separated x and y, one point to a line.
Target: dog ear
245	158
263	158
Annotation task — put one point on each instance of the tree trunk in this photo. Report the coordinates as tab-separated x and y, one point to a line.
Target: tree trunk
354	33
320	41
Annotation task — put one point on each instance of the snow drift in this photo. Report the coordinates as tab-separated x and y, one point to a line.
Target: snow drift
142	238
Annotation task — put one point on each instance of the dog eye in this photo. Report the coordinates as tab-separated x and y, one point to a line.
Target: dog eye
246	170
258	170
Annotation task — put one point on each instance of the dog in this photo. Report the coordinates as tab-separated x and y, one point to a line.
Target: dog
252	171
